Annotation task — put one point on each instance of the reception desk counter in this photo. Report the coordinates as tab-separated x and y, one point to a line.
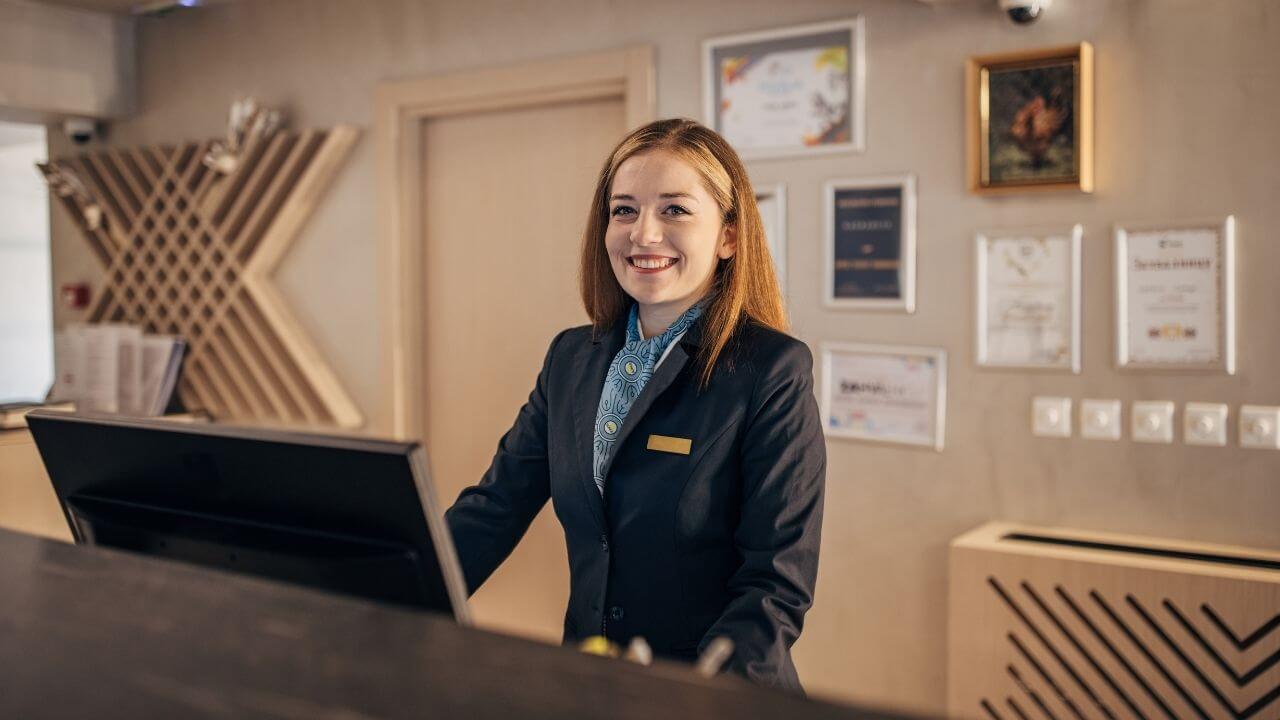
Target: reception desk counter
27	501
87	632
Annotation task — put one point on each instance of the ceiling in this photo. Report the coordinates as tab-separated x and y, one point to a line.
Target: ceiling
123	7
20	134
114	7
118	7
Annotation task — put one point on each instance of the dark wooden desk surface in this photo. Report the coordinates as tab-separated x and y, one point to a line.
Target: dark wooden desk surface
86	632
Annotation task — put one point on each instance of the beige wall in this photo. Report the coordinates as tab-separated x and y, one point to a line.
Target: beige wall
1188	105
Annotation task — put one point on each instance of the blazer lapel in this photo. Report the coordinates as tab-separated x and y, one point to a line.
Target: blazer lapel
592	365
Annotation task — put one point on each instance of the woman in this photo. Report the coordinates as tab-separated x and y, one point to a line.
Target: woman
677	435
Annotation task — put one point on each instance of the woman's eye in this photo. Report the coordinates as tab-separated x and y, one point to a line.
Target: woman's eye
620	210
681	211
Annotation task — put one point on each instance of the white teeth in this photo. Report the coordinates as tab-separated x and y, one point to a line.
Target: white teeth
652	264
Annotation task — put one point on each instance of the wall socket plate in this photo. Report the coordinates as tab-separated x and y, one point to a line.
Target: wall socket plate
1204	424
1051	416
1100	419
1260	426
1152	421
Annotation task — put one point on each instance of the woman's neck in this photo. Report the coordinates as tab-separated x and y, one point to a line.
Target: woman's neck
655	319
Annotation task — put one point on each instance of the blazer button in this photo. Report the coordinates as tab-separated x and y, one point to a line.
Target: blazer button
604	543
615	613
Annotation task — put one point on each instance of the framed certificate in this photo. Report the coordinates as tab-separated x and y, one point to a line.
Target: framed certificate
1175	296
1028	298
870	258
794	91
772	201
884	393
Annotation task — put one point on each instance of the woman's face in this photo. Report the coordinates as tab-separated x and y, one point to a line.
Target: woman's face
664	236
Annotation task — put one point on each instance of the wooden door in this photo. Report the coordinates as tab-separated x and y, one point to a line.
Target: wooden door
505	195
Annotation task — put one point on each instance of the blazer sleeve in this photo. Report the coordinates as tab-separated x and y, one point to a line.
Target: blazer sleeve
784	462
488	519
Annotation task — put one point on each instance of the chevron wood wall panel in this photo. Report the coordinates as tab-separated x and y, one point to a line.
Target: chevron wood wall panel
1057	624
190	252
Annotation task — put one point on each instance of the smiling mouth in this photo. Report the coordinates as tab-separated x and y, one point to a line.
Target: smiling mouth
651	262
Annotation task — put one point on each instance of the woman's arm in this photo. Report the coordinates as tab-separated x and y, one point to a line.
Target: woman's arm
488	519
784	461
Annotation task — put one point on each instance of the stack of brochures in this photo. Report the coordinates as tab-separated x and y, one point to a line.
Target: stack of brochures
116	369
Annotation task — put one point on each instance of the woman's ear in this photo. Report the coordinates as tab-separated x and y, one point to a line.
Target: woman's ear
728	242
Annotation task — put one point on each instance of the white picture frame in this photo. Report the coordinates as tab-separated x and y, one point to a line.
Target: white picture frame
1187	271
1037	291
788	131
772	202
836	298
858	381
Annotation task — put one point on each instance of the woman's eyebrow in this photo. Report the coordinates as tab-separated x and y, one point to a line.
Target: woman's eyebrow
663	195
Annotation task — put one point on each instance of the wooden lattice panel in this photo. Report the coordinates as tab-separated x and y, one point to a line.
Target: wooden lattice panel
190	252
1059	624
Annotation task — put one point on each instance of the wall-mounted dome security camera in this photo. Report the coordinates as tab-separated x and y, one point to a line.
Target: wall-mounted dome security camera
1024	12
80	130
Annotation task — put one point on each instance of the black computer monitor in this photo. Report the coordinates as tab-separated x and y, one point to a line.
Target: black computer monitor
345	514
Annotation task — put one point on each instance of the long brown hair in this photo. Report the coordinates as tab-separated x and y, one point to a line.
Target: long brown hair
745	285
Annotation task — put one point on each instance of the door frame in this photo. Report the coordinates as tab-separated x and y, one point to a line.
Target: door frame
400	109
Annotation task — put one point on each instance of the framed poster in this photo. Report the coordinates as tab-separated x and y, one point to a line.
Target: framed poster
792	91
1175	296
772	201
870	258
884	393
1030	120
1028	298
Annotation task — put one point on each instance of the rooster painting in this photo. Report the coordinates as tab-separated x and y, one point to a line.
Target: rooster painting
1031	123
1035	126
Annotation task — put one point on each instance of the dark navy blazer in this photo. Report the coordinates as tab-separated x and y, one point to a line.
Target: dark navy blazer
683	547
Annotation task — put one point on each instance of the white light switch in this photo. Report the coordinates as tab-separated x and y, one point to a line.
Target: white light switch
1152	422
1204	424
1260	426
1100	419
1051	416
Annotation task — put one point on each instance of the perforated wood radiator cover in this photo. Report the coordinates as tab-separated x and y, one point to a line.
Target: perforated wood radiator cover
1062	624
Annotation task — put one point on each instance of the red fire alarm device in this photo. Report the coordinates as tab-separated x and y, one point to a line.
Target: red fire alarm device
76	295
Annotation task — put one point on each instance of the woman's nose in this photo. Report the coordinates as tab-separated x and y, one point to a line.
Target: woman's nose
646	230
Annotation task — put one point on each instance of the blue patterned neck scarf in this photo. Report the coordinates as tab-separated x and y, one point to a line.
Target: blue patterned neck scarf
628	374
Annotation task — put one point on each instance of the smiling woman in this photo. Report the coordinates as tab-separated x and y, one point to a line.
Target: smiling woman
664	236
698	187
707	528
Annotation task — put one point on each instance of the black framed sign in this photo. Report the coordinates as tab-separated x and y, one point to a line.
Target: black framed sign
871	243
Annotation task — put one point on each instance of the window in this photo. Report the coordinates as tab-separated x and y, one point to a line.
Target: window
26	297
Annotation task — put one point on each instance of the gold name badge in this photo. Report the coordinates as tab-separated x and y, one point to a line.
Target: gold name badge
663	443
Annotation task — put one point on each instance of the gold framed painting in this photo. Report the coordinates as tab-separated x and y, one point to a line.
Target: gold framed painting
1030	120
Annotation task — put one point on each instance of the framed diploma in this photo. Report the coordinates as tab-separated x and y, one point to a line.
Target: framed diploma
793	91
1028	298
772	201
884	393
1175	296
870	259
